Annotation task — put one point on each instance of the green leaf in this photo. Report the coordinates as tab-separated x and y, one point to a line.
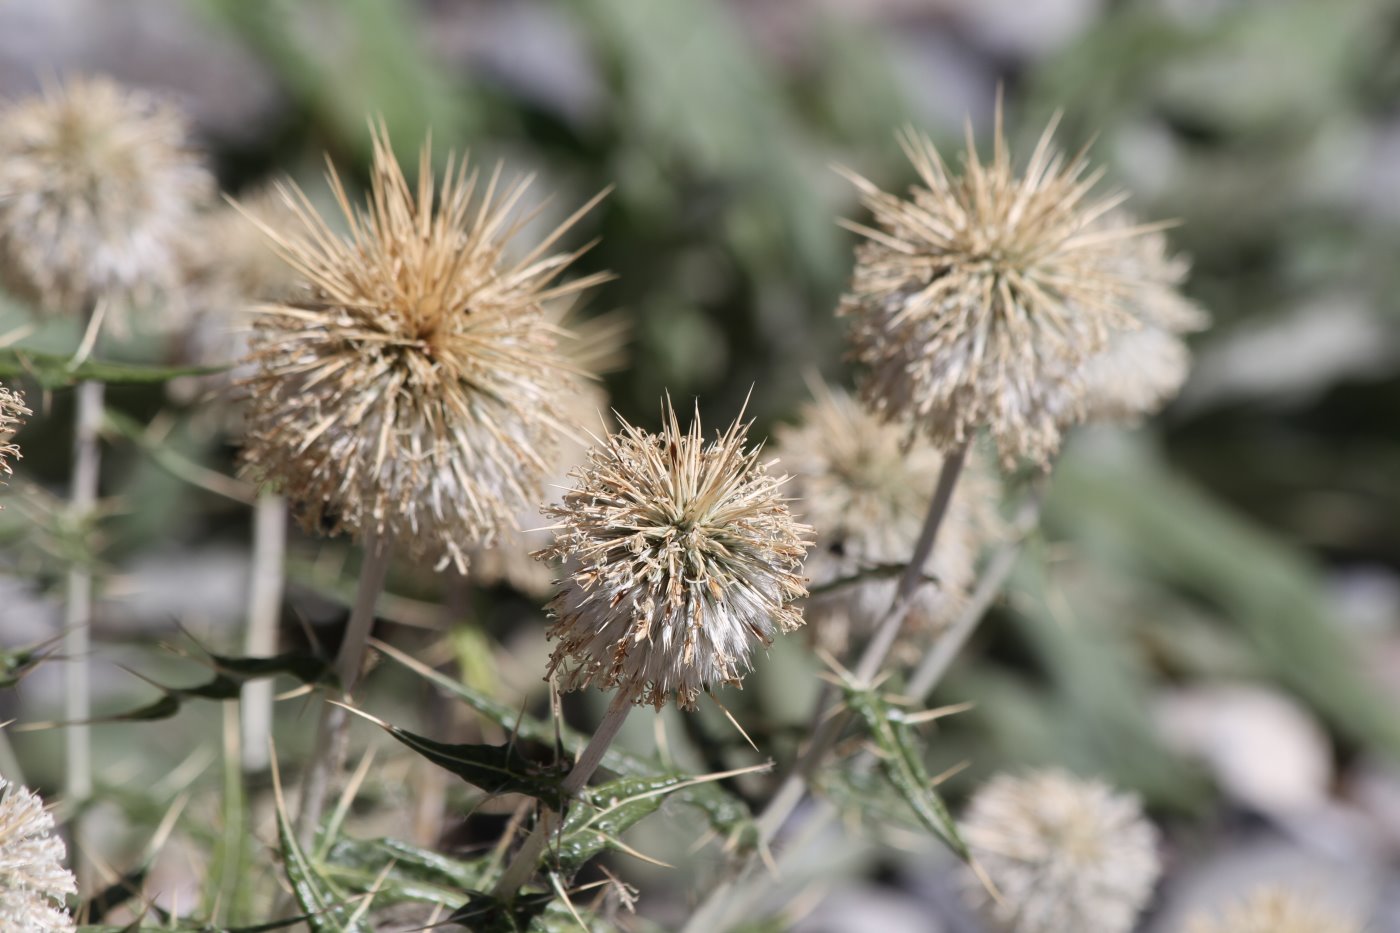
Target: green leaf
325	911
402	871
55	371
496	769
902	764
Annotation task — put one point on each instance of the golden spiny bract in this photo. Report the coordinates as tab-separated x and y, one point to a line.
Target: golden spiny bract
414	385
12	412
864	484
684	554
975	300
33	879
1274	910
1064	852
98	184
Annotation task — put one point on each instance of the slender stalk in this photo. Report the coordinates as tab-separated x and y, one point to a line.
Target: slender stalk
77	623
940	657
332	731
266	578
734	900
528	858
794	787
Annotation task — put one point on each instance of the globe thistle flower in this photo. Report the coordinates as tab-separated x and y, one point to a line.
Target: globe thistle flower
412	387
98	184
1141	367
684	554
12	412
1273	910
33	881
593	346
864	484
975	299
1065	853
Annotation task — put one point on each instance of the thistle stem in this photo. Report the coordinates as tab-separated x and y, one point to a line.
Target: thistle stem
77	623
333	728
794	787
528	858
265	584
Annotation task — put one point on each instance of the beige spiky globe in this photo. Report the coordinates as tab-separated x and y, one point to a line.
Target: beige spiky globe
976	299
33	879
98	187
413	387
684	556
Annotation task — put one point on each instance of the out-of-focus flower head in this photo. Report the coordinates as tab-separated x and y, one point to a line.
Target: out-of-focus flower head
684	554
98	187
864	484
1273	910
1064	853
413	385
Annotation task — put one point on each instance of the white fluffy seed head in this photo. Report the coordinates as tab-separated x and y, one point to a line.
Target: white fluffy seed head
1064	852
413	384
864	485
1274	910
684	554
33	879
98	186
975	300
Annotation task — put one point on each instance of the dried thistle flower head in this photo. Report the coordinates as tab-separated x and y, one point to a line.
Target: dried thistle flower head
12	412
864	484
684	553
1143	366
1274	910
1065	853
413	385
593	346
975	299
33	879
98	185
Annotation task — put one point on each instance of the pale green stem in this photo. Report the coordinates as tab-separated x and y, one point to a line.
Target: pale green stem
332	730
265	583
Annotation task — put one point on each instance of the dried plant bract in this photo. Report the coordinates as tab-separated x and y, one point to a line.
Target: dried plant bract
98	184
975	299
413	386
684	555
33	879
1065	853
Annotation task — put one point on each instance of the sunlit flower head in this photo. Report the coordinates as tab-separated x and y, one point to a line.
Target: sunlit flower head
975	298
98	185
33	879
12	412
1274	910
864	485
413	386
1065	853
683	555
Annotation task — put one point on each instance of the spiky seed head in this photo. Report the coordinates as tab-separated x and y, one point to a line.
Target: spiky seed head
1143	366
1065	853
412	386
12	412
33	880
597	346
98	185
1274	910
864	484
683	554
975	298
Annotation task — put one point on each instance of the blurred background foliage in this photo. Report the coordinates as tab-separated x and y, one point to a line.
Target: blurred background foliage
1249	537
